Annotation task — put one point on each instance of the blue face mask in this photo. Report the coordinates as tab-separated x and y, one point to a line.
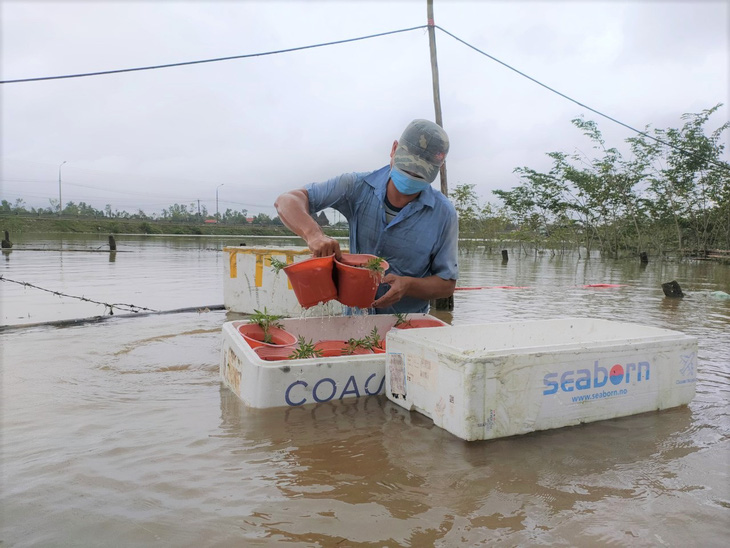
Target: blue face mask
407	184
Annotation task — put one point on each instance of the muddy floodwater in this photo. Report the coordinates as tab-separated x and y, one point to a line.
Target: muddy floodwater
120	433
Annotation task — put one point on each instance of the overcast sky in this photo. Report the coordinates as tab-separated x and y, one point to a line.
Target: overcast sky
260	126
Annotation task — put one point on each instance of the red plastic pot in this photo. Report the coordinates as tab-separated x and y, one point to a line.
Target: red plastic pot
254	336
330	348
356	285
312	280
421	322
274	353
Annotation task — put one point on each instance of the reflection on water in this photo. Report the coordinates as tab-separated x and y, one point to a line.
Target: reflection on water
121	430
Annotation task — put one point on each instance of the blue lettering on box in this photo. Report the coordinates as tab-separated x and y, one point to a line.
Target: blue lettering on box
583	379
326	389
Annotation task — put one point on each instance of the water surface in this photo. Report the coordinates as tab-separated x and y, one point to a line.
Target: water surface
120	431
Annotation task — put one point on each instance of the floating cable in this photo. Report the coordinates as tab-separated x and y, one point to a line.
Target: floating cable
109	306
680	149
215	60
97	319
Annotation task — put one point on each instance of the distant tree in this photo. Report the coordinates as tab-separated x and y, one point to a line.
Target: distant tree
467	207
20	206
261	219
235	217
71	209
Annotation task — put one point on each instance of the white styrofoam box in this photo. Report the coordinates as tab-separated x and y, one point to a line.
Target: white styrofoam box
493	380
261	383
249	283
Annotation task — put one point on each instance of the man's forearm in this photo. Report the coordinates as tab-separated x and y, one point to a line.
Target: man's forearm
293	209
431	287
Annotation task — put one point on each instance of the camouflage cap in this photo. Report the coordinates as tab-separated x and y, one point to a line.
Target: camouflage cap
422	149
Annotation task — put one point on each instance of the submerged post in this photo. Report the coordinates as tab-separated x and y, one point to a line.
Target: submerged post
672	290
7	244
505	256
112	243
644	257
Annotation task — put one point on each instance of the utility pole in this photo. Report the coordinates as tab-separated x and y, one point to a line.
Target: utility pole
60	201
435	79
448	302
217	219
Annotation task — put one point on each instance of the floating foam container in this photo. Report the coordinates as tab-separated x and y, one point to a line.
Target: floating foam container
262	384
493	380
249	282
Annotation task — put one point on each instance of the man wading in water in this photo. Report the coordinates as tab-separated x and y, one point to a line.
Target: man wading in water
393	213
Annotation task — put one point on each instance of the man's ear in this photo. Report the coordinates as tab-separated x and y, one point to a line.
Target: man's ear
392	152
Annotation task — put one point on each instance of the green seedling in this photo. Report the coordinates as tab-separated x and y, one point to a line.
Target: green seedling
265	321
277	265
304	350
374	339
353	344
401	318
375	265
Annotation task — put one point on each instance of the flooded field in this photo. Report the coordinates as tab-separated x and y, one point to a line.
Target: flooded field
119	432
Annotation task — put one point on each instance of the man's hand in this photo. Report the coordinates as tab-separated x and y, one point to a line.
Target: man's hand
398	289
323	246
430	287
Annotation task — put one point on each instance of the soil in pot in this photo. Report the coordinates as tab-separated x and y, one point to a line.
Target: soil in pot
312	280
356	284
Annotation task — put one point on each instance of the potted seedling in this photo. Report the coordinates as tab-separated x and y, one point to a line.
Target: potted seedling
403	322
375	342
358	278
310	279
357	346
265	329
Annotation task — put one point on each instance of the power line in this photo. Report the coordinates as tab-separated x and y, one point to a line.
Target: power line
215	60
564	96
347	40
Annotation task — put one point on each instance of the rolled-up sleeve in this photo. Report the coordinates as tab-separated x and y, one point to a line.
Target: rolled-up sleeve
335	193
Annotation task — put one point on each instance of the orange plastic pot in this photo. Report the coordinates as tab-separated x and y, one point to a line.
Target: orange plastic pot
254	336
274	353
380	349
421	322
312	280
330	348
356	285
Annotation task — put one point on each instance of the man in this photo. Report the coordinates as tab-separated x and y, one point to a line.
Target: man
393	213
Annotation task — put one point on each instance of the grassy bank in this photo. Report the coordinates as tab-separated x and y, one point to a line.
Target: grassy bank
17	225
